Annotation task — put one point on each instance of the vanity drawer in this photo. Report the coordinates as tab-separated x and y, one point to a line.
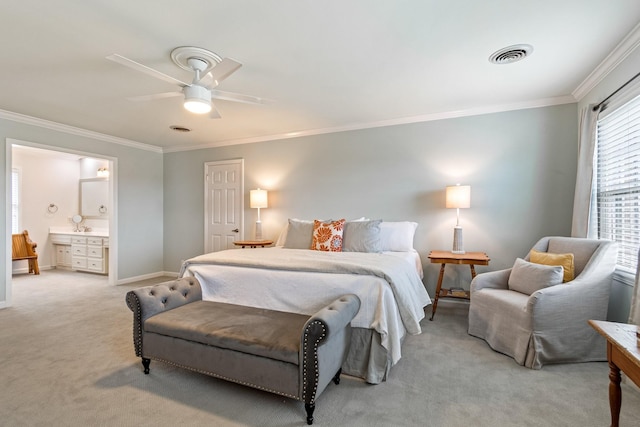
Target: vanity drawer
79	263
79	250
78	240
94	252
95	264
95	241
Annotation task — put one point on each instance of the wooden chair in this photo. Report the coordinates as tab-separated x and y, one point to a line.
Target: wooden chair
24	248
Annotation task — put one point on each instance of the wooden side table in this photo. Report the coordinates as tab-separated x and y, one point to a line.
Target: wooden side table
623	354
253	243
446	257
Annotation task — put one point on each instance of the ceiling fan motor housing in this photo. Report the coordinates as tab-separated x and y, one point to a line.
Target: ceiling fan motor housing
197	99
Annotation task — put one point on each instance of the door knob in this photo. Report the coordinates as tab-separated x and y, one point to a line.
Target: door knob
235	230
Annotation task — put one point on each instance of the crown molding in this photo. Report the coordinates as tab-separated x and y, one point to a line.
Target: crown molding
617	55
489	109
34	121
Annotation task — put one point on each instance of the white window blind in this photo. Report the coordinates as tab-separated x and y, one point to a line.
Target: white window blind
15	201
618	181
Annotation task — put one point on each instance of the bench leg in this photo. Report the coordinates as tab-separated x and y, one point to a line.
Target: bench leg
336	377
310	407
33	266
145	363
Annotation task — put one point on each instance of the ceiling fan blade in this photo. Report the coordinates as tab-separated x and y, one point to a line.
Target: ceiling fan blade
214	114
155	96
144	69
223	70
238	97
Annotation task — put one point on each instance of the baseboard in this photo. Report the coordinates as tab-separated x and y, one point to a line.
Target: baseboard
25	270
145	277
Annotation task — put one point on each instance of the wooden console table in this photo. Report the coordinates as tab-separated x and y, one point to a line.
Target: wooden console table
447	257
623	354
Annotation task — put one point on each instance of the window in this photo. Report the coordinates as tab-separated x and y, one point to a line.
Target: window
15	201
617	184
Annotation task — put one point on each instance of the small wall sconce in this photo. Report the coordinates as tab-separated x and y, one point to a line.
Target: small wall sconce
258	199
103	173
458	197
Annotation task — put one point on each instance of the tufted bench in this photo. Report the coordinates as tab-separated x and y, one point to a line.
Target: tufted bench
290	354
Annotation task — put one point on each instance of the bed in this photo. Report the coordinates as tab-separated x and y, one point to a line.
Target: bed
291	277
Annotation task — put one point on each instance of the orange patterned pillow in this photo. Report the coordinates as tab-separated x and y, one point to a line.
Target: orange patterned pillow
327	236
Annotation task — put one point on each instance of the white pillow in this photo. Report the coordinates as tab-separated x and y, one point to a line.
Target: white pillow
283	235
397	236
527	277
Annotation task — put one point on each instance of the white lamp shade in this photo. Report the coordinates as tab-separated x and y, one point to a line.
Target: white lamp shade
458	196
258	198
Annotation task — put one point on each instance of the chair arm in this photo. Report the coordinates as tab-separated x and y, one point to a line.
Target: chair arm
150	300
565	308
320	329
492	280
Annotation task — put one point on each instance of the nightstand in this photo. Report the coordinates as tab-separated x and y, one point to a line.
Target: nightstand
446	257
253	243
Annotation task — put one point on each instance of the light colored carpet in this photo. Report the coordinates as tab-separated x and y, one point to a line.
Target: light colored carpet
67	359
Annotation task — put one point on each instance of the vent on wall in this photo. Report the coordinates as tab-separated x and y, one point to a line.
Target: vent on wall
511	54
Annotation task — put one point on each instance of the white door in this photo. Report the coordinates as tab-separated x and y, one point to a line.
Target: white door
223	204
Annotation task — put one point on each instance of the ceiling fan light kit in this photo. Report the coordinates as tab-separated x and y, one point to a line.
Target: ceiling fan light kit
209	70
197	99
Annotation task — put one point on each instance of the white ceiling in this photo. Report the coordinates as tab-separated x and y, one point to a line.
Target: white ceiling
328	65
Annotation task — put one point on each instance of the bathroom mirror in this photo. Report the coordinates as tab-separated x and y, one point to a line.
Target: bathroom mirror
94	197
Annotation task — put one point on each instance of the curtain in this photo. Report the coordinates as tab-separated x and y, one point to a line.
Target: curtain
584	177
634	313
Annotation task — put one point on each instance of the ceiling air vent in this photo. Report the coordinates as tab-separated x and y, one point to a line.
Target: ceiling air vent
179	129
511	54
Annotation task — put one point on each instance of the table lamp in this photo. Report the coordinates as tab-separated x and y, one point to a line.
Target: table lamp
458	197
258	199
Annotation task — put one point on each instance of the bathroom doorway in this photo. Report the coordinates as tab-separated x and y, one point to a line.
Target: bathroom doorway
49	197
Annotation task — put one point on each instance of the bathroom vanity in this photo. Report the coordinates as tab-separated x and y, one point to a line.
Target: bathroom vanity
81	250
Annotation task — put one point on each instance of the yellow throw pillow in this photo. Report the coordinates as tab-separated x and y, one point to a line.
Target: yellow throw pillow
547	258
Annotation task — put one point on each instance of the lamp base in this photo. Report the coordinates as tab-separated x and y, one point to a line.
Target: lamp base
457	241
258	230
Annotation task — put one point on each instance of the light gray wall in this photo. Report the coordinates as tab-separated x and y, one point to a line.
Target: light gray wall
622	287
140	196
521	166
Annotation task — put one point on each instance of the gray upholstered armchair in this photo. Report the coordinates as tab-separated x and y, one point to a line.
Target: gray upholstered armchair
550	324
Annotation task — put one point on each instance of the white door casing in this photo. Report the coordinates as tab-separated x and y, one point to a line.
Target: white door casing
223	204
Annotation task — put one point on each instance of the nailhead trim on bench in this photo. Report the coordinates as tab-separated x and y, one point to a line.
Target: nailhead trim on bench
312	390
225	378
134	305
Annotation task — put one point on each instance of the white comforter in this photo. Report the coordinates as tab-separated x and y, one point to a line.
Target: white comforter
390	290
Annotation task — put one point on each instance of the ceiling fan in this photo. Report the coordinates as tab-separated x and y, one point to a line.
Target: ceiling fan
209	70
